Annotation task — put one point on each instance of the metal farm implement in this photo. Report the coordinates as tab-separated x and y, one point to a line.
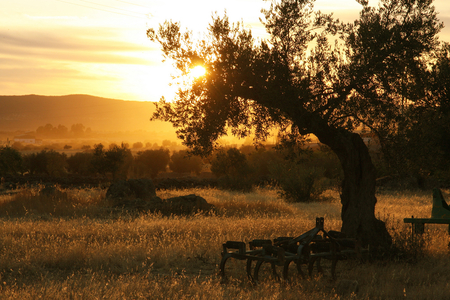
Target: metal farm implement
305	250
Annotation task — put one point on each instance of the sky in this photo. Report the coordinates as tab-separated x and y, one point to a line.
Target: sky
100	47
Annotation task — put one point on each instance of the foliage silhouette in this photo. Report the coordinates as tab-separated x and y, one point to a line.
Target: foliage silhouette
182	162
115	160
50	162
312	75
233	170
151	162
11	161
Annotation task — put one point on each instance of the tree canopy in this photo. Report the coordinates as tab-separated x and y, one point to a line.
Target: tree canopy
312	69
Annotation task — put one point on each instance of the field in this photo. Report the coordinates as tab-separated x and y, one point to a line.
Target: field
75	248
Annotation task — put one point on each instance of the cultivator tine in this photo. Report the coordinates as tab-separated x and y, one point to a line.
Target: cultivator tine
226	254
258	268
249	269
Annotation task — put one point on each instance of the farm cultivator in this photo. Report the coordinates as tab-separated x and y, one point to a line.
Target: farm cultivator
306	250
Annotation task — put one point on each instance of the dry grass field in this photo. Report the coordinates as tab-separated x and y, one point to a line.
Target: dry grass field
73	247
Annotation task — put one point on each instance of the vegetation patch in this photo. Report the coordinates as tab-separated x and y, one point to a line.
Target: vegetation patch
66	246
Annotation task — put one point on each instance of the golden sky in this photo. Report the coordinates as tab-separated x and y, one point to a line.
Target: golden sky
99	47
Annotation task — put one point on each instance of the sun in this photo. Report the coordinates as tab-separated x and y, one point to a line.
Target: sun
198	71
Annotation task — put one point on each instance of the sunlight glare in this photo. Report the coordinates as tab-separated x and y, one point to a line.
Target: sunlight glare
198	71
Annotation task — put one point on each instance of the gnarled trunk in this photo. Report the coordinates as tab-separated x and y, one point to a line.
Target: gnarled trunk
358	195
358	187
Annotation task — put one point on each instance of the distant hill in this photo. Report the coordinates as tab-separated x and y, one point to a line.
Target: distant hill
100	114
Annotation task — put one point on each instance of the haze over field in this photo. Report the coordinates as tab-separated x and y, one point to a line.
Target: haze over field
100	47
100	114
108	119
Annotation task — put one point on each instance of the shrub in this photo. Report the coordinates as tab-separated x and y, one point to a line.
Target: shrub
116	160
306	175
80	163
151	162
297	183
46	162
182	162
56	163
11	161
260	162
138	145
233	170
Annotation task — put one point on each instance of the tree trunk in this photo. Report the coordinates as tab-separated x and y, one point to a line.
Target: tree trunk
358	187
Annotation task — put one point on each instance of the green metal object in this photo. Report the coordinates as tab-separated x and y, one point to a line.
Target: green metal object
440	214
440	208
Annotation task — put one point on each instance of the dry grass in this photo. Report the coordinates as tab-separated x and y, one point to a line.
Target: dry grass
69	248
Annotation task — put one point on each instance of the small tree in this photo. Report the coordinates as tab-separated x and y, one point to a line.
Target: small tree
80	163
56	163
46	162
111	160
138	145
232	168
182	162
36	163
151	162
11	161
77	130
228	163
261	161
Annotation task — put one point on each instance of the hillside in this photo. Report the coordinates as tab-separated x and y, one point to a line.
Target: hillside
100	114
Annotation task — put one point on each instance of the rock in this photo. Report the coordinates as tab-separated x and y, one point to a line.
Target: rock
140	195
187	205
131	189
150	205
52	191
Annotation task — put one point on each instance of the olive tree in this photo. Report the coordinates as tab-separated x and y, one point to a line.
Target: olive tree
11	161
116	160
312	75
152	162
182	162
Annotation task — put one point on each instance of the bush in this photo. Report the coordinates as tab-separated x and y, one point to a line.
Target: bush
46	162
297	183
80	163
232	169
305	176
182	162
11	161
116	160
151	162
260	162
138	145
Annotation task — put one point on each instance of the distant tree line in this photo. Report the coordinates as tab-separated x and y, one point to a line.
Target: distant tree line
116	161
61	131
300	173
301	176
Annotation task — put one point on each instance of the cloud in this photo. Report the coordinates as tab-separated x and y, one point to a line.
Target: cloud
40	74
99	57
76	46
64	40
54	17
